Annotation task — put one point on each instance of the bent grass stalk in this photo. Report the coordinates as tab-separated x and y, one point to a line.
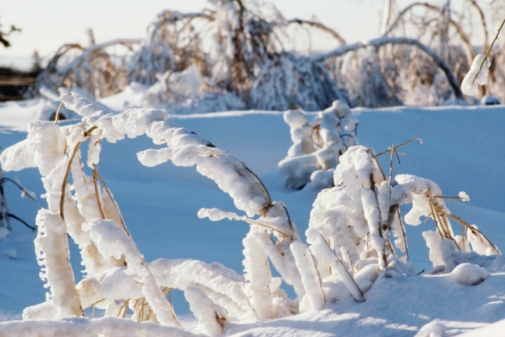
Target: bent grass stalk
97	192
57	115
474	230
351	277
67	171
107	190
65	178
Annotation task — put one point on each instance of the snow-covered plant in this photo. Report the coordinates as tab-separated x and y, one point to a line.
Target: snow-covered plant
173	44
291	80
95	69
229	52
234	48
317	145
243	51
356	232
450	30
117	279
377	78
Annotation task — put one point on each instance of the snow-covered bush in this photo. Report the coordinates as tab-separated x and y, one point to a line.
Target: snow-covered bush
291	80
317	145
356	228
230	52
239	54
98	70
450	30
354	233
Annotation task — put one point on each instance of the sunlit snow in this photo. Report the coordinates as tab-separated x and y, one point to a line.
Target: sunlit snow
461	151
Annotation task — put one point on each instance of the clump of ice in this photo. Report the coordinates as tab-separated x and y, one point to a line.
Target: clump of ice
476	75
420	192
463	196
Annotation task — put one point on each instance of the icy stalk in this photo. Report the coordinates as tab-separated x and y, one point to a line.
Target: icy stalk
44	148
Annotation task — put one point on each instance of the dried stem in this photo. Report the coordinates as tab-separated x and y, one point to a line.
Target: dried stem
57	115
447	197
124	308
18	185
261	183
441	222
65	178
400	145
259	223
320	26
394	211
393	152
473	229
112	198
483	22
339	260
97	192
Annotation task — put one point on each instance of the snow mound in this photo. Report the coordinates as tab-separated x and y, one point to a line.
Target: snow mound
469	274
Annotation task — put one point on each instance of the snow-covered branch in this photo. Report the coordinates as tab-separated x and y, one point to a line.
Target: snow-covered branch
383	41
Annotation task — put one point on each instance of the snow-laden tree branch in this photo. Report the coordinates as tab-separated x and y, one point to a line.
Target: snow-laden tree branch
320	26
440	11
383	41
232	56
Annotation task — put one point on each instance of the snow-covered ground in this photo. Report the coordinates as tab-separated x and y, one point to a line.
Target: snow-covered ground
462	150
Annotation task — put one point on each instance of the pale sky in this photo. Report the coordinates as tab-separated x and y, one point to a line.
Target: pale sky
48	24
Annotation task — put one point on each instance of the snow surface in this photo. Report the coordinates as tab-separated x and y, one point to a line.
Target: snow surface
462	150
